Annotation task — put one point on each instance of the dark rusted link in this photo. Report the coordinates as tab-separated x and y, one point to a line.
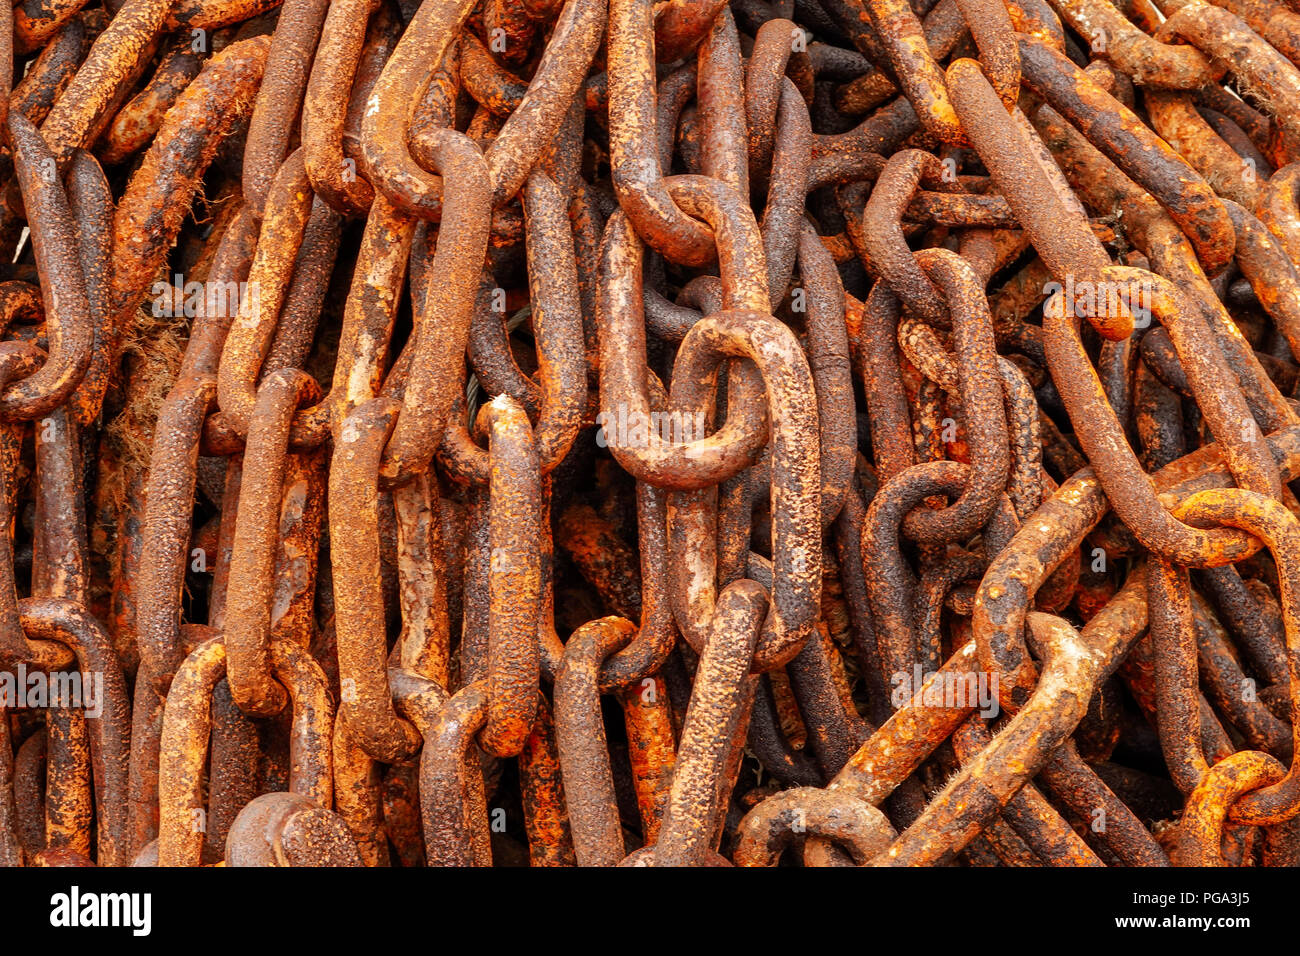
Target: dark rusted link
636	167
1225	682
783	214
1028	812
1177	713
491	355
783	820
1158	420
890	587
834	62
436	357
234	772
174	459
1175	118
768	742
292	343
452	803
1272	274
393	102
629	424
796	482
1160	359
844	157
137	122
675	92
1149	160
879	365
1036	194
1256	627
157	200
338	75
832	727
68	623
69	325
981	394
1272	79
280	96
1075	783
885	245
827	347
29	806
937	581
493	86
1254	125
146	736
91	204
559	75
580	737
11	848
718	709
1150	62
1271	522
250	337
1025	484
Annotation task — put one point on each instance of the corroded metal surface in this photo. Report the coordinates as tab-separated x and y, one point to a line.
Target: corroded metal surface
605	432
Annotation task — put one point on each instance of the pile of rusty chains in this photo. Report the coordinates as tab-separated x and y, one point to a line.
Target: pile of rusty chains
825	370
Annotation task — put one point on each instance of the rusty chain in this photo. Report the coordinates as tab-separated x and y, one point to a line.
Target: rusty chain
605	432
